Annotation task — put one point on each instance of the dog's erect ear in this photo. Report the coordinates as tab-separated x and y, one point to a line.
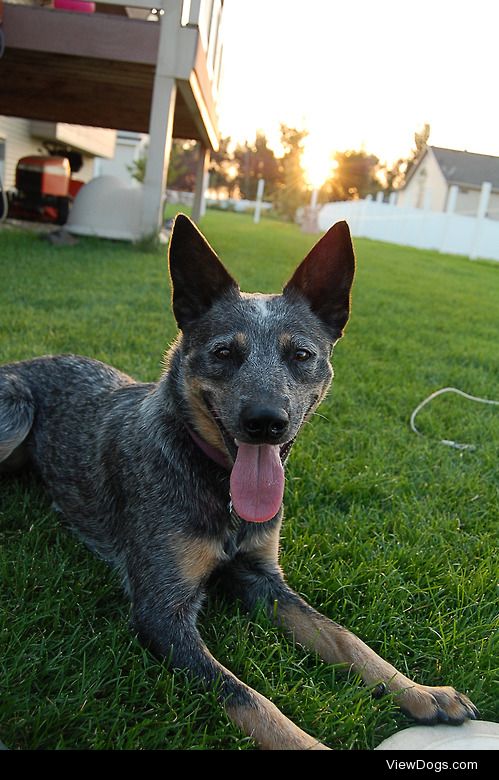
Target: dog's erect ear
198	276
325	278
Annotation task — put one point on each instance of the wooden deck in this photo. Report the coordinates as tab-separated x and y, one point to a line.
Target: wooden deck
94	69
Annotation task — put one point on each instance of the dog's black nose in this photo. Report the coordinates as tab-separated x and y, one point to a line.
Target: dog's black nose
264	424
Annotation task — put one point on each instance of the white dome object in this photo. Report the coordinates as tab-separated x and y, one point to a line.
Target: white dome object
108	208
471	735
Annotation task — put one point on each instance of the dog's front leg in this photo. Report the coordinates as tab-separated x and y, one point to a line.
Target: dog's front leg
258	579
336	644
165	620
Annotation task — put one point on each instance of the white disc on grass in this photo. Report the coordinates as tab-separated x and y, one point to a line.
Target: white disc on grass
472	735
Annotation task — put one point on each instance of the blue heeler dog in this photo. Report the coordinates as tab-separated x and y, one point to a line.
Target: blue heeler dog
179	481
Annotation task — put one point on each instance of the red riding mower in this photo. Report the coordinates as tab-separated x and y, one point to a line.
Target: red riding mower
44	187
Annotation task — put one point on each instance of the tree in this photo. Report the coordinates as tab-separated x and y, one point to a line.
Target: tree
256	161
137	169
396	176
421	139
181	168
291	192
223	170
354	176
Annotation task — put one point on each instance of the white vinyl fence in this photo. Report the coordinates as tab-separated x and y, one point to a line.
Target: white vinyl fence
475	237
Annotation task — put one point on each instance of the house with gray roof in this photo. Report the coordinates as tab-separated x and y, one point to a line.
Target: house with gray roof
438	169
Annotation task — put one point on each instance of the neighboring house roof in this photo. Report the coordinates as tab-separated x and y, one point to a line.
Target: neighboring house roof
465	168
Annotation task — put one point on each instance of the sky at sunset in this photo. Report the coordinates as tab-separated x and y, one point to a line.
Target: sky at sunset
363	74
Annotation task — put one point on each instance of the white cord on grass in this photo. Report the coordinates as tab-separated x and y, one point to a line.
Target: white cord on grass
449	443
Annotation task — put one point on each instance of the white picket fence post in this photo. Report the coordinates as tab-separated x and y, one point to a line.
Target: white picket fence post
259	197
448	217
483	205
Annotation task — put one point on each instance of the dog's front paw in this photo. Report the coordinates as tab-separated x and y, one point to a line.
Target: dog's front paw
428	705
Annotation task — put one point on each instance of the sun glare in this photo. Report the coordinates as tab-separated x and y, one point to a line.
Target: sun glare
317	162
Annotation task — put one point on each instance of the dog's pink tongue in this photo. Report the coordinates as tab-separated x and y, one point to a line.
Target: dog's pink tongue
257	482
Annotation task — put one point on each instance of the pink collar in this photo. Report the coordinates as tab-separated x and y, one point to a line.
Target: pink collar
212	452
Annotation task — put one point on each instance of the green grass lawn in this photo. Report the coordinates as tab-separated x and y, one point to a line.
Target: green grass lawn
388	533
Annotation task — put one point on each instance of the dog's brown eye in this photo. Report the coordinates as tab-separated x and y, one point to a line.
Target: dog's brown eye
222	353
302	354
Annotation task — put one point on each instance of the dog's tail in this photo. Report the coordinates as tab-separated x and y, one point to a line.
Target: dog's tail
17	411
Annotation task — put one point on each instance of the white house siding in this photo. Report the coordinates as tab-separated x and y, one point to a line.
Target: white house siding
87	171
427	188
493	209
15	133
129	148
468	199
